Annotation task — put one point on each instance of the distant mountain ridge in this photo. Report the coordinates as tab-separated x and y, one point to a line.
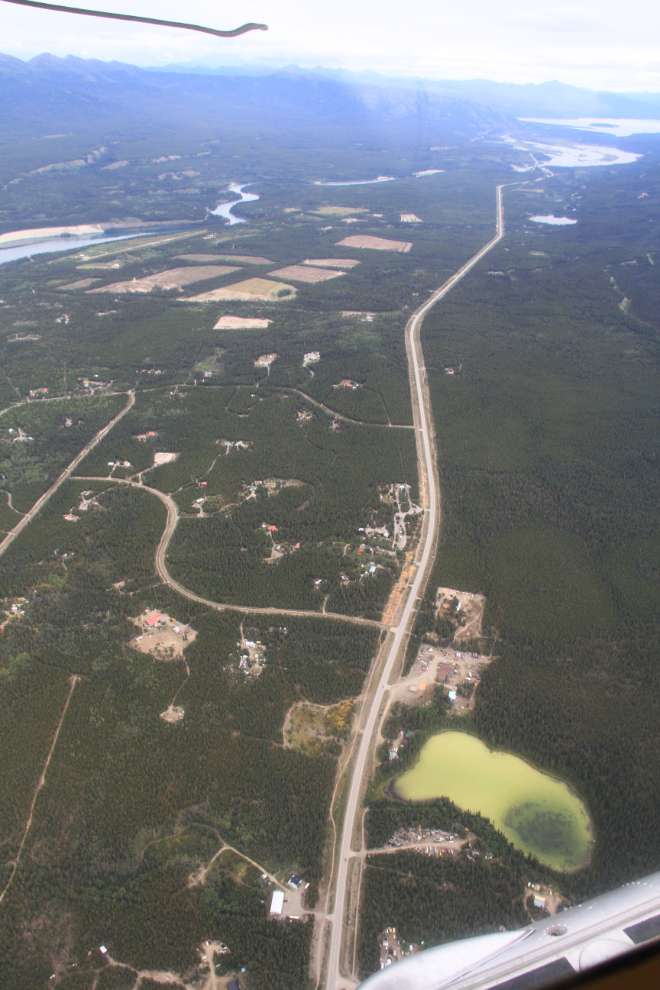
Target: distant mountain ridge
73	94
546	99
48	94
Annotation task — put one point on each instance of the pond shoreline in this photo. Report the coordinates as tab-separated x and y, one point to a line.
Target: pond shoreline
537	811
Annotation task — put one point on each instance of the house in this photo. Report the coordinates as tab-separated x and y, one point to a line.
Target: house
539	901
294	881
234	984
444	670
277	903
153	620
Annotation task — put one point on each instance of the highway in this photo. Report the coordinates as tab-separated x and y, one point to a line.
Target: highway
429	498
429	486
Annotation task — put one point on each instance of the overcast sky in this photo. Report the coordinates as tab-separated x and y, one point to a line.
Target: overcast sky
600	44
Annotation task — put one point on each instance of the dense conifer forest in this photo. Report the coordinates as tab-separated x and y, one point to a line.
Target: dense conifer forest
547	439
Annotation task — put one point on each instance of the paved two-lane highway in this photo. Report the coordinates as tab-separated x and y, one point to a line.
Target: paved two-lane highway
430	488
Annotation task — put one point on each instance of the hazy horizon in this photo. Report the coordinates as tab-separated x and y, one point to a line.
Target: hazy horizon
582	44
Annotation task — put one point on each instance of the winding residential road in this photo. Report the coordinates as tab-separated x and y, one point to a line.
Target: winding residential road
345	419
166	577
66	474
429	498
429	485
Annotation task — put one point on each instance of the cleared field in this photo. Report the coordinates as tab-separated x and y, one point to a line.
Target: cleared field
160	635
265	360
109	250
340	211
240	323
332	262
82	283
108	265
244	259
164	457
252	289
300	273
410	218
176	278
375	243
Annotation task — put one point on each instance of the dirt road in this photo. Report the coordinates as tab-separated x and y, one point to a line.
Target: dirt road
73	680
338	415
201	875
430	501
166	577
66	474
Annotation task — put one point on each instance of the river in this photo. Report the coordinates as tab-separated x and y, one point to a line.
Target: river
224	209
73	243
56	244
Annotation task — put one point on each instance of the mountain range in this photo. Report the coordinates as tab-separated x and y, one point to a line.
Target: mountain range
49	94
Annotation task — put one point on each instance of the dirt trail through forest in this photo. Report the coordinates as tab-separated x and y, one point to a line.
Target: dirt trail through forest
73	680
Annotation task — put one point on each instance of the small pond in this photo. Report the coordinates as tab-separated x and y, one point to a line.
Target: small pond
538	813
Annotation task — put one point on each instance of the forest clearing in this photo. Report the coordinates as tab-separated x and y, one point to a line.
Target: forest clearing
375	243
243	259
311	274
332	262
164	457
161	636
462	608
81	283
252	289
340	211
241	323
175	278
308	727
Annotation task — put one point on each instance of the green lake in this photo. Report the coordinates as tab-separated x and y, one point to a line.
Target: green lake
538	813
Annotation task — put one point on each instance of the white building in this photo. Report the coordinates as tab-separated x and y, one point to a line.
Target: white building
277	903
